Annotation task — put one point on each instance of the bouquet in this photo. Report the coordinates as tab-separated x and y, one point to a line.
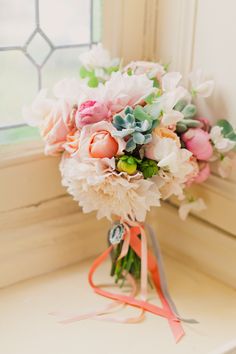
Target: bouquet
129	137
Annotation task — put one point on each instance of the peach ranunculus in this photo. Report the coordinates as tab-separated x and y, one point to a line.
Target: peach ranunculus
97	141
102	144
91	112
198	142
164	132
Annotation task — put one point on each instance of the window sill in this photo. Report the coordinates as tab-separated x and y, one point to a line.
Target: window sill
24	312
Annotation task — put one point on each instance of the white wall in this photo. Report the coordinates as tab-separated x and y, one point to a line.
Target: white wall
202	33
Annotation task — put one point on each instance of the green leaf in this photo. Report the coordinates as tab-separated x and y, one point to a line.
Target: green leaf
130	146
140	114
149	168
166	66
130	72
84	72
130	118
93	82
153	110
227	129
138	138
118	121
155	82
155	123
189	111
112	69
148	138
192	123
181	127
150	98
180	105
128	110
131	160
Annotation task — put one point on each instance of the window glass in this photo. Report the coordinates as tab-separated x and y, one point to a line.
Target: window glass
40	41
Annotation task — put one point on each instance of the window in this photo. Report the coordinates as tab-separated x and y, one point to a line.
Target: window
40	41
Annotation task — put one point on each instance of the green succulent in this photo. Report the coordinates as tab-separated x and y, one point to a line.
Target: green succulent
127	164
189	111
137	124
148	168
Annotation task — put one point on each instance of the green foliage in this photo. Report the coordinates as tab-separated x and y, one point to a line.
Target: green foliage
90	75
93	82
227	129
149	168
189	110
155	82
185	124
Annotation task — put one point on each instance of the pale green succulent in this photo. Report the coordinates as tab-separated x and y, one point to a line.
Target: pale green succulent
136	123
189	111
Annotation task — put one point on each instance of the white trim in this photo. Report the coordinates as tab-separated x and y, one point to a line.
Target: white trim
175	33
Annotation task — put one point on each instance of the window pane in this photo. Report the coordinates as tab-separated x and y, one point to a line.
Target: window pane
70	23
38	48
63	63
97	20
17	21
40	41
18	84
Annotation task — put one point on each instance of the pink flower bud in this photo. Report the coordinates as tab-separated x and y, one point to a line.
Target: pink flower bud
91	112
102	144
198	142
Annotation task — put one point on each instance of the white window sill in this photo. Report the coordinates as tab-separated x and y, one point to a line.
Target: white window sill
27	328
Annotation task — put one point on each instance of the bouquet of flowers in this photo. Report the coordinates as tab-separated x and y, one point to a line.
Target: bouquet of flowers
129	137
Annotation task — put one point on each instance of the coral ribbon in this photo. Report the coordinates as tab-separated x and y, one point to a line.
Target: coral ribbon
148	263
139	246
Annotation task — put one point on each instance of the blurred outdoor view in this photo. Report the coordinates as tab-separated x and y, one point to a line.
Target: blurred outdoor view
40	41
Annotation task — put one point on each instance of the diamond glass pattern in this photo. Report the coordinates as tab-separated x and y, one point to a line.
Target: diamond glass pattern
32	41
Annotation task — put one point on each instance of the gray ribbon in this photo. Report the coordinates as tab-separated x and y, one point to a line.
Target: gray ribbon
164	286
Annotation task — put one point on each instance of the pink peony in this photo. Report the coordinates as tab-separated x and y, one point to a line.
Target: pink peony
198	142
91	112
102	144
203	174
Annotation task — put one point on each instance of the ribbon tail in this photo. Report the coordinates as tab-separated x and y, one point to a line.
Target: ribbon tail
174	322
163	282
